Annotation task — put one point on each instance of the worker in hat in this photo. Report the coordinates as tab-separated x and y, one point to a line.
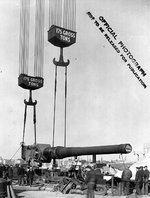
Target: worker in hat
145	180
91	181
139	180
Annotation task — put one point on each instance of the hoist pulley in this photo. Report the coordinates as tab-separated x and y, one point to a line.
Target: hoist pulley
61	37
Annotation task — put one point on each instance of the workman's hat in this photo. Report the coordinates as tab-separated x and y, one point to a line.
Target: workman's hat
145	166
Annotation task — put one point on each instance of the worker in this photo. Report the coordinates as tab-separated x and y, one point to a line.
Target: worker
21	174
91	181
139	180
30	174
126	176
10	173
145	180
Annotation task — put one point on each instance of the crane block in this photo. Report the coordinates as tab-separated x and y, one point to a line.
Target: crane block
30	82
61	37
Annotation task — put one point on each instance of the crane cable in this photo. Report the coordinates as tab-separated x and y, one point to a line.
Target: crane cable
54	115
15	153
61	13
24	36
38	49
65	136
25	116
34	122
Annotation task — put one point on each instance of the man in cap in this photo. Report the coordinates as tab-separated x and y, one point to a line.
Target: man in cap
146	178
139	180
91	181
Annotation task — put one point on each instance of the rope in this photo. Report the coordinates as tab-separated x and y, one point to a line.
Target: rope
15	153
39	38
69	14
74	15
30	102
65	14
24	36
58	12
55	12
50	14
62	13
54	115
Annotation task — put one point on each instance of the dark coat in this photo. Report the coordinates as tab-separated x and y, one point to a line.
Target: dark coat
126	175
139	176
21	171
30	174
91	177
10	172
146	174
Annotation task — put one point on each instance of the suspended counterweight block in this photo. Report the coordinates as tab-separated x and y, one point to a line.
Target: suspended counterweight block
61	37
30	82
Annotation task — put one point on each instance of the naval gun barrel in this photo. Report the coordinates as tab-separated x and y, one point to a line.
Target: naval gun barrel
62	152
45	153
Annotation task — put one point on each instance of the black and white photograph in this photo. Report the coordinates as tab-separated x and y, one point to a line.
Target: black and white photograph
74	98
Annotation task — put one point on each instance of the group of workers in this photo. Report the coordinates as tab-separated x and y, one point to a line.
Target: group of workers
141	180
6	171
25	175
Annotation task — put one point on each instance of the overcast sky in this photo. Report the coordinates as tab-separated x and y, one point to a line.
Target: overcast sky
106	102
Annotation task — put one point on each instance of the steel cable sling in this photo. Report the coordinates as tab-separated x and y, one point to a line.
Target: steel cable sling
30	103
65	127
65	113
26	81
61	33
54	115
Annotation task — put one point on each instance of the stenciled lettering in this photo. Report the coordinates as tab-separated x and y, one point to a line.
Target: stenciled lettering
65	38
58	31
67	33
33	84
